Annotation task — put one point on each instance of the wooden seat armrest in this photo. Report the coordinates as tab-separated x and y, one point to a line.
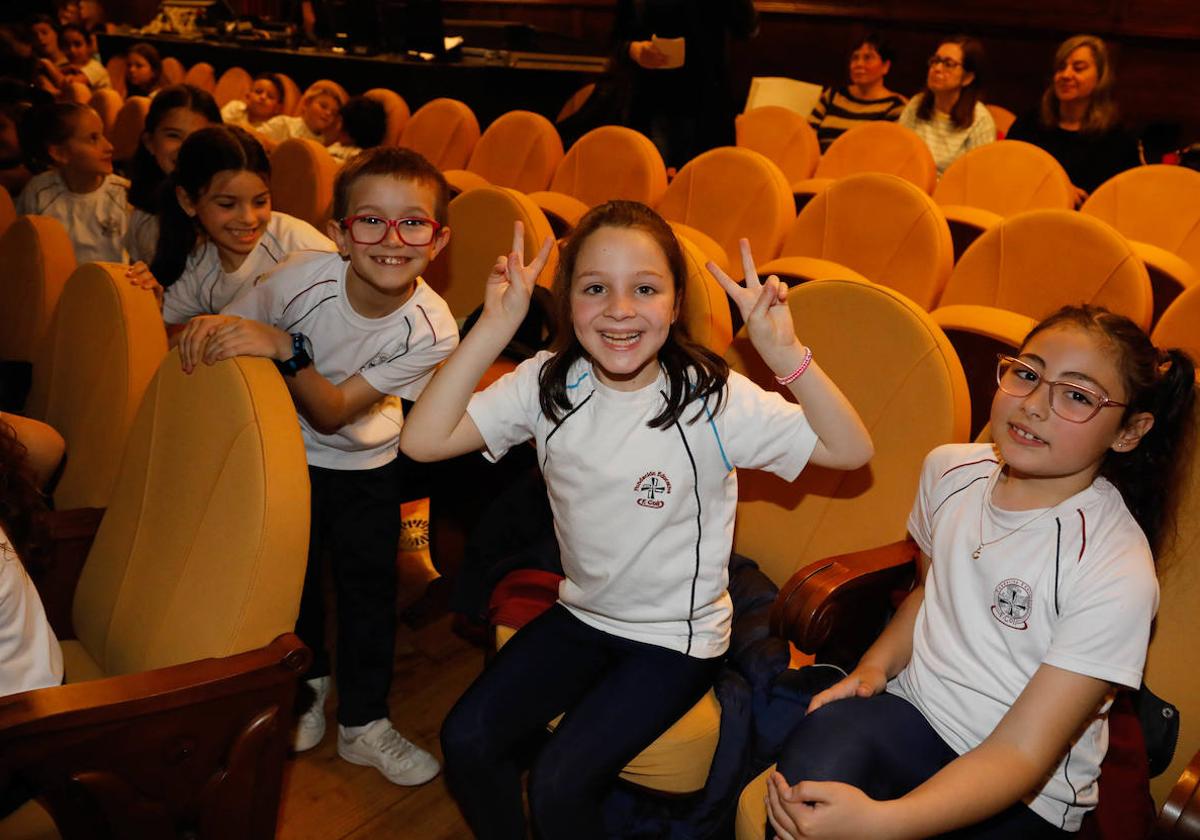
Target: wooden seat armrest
837	595
198	744
67	536
1180	816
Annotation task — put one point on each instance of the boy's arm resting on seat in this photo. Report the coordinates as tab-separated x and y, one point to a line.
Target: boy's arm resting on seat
842	440
1019	754
327	405
438	426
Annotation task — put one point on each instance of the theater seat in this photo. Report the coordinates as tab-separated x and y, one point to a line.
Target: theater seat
175	606
397	113
730	193
302	174
880	227
520	149
1179	326
999	180
784	136
872	147
107	103
103	347
234	83
444	130
201	75
609	162
128	126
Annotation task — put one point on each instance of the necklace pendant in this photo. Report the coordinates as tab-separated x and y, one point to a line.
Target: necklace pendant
975	554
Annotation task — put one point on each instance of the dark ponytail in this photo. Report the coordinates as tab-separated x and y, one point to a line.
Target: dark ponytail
1150	476
203	155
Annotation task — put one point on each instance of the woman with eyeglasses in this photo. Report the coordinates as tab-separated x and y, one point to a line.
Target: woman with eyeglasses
1077	122
866	98
949	114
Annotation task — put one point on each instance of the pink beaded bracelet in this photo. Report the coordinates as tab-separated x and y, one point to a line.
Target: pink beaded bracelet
798	372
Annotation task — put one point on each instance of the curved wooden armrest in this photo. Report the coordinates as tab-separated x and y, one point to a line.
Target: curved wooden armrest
1180	817
130	756
68	535
837	596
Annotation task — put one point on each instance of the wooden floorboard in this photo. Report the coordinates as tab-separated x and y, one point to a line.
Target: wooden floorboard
326	798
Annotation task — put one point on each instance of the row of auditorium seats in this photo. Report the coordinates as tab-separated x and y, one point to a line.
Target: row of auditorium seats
889	355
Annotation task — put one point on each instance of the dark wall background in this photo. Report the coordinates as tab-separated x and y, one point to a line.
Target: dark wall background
1156	43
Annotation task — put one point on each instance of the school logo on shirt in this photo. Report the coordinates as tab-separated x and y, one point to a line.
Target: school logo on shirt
651	488
1011	600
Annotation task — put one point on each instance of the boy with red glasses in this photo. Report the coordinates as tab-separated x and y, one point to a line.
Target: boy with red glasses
352	333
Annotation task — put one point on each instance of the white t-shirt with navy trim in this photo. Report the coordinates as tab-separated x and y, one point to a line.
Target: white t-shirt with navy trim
29	653
204	288
96	221
1074	587
644	517
395	354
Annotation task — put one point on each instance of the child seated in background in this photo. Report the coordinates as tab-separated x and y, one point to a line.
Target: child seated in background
66	144
364	125
82	65
143	71
174	115
320	108
262	102
352	332
220	234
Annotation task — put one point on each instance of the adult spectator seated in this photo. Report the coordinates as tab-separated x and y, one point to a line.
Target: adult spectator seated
865	98
1077	122
948	114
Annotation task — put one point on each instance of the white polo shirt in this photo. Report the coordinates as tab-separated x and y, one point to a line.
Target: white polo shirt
395	354
29	653
644	517
95	221
205	288
1075	588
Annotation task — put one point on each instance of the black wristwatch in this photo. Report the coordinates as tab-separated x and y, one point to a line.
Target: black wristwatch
302	356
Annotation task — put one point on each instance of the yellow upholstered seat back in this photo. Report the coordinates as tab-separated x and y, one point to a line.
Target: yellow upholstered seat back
444	130
201	75
880	147
1035	262
882	227
784	136
37	257
1179	326
482	221
899	371
107	103
104	345
611	162
202	550
173	71
302	173
706	312
730	193
1159	205
520	149
234	83
127	127
1006	178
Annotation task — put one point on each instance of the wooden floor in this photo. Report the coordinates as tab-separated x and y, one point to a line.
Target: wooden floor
325	798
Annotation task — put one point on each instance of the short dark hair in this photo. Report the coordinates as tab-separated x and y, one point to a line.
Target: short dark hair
365	120
877	42
404	164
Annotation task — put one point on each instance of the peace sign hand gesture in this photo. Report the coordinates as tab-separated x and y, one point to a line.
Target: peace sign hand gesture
764	310
510	285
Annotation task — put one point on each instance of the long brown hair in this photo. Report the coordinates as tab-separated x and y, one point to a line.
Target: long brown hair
963	112
1101	113
693	372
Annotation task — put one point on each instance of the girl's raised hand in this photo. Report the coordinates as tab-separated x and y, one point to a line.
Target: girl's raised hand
764	309
510	285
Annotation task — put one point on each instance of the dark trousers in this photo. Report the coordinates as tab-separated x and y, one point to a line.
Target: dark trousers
356	523
618	695
884	746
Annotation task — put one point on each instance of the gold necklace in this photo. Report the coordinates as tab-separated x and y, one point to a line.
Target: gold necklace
987	492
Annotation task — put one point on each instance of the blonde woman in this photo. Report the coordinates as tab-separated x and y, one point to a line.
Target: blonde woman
1078	121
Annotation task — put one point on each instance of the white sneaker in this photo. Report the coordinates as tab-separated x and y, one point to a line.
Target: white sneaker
310	729
380	746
